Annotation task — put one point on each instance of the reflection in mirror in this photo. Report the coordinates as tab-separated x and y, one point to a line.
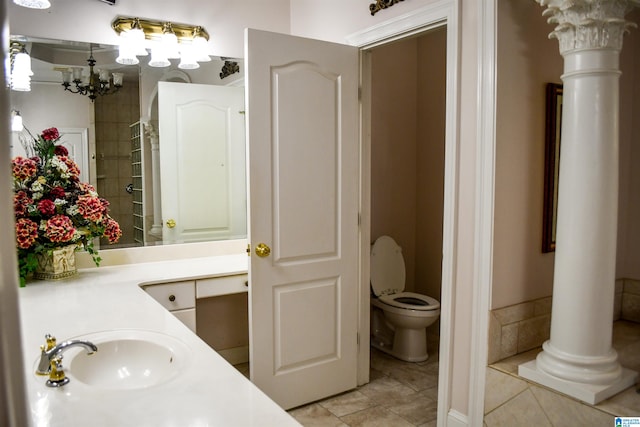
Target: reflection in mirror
141	145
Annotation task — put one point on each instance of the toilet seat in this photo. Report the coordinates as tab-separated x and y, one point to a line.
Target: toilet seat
421	302
388	276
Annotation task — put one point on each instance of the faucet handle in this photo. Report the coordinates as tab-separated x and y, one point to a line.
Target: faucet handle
57	377
51	342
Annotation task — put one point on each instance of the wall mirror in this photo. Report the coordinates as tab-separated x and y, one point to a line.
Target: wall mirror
167	149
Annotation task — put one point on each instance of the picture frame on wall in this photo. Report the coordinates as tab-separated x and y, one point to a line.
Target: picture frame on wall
551	165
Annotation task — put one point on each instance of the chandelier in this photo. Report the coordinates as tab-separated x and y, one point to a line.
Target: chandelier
95	84
166	40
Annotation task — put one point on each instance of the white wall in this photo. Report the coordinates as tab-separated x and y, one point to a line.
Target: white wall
90	20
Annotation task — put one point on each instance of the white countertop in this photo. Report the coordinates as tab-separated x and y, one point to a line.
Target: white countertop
208	392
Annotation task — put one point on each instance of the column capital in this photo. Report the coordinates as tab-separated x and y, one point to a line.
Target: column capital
150	130
589	24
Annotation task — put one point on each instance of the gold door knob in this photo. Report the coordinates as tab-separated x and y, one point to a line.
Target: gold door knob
171	223
262	250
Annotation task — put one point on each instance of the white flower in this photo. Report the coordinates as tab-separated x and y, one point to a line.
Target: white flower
59	202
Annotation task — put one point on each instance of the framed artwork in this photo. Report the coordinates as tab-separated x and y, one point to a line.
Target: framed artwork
551	165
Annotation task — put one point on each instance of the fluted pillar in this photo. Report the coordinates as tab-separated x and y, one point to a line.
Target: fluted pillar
154	141
579	359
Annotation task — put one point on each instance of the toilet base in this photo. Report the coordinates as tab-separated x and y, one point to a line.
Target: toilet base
409	345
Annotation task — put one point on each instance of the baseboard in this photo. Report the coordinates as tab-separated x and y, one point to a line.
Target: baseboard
456	419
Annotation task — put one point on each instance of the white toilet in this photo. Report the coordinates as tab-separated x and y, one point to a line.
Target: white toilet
398	319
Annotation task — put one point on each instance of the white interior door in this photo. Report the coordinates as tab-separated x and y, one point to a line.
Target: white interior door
202	162
303	151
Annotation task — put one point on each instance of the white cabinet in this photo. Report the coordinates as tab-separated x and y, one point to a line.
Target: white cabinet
224	285
179	298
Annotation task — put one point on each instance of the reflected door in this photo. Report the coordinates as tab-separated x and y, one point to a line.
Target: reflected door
302	121
202	162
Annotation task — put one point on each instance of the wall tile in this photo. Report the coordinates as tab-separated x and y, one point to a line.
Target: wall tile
542	306
509	340
495	339
514	313
631	307
632	286
533	332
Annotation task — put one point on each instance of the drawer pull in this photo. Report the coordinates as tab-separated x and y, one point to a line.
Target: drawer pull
172	298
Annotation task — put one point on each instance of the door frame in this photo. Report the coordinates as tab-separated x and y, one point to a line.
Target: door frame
437	15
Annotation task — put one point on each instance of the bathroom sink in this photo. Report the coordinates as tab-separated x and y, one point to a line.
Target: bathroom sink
127	360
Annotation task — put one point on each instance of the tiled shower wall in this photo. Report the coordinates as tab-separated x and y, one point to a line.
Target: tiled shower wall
113	115
522	327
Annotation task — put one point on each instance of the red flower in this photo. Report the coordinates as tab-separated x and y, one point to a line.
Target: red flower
21	202
23	168
59	150
112	230
90	208
46	207
50	134
59	229
57	193
26	233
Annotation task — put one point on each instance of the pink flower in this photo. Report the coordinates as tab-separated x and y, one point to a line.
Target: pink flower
112	230
21	202
59	150
90	208
50	134
72	167
59	229
26	233
23	169
46	207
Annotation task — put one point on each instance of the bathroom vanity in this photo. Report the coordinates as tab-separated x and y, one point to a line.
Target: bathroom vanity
203	389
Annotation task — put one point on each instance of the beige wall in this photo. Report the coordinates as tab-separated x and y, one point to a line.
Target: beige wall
393	147
628	265
407	153
527	60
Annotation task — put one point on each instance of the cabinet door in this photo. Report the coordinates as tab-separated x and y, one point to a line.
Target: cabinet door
188	317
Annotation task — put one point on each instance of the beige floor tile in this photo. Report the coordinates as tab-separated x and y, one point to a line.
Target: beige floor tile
347	403
387	391
499	388
415	376
375	417
564	411
417	409
624	404
315	415
522	411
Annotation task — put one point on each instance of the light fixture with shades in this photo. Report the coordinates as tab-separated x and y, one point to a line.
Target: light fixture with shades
166	40
20	67
33	4
16	121
95	84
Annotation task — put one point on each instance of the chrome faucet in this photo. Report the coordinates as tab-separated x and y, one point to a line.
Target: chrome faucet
52	351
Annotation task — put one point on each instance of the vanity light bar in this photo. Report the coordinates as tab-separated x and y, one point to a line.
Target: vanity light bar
153	30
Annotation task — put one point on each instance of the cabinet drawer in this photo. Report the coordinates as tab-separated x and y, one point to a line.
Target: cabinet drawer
223	285
174	296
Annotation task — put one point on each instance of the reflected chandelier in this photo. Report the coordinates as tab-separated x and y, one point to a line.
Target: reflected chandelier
97	84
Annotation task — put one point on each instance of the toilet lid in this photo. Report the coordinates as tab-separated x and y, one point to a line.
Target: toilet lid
387	267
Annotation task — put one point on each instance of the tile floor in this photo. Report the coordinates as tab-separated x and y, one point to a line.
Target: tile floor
511	400
399	394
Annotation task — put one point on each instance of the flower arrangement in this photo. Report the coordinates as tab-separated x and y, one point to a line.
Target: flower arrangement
53	209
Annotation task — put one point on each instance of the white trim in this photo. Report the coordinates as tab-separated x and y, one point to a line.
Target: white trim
485	194
456	419
440	13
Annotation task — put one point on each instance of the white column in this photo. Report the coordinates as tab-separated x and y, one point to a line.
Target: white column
156	227
578	359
